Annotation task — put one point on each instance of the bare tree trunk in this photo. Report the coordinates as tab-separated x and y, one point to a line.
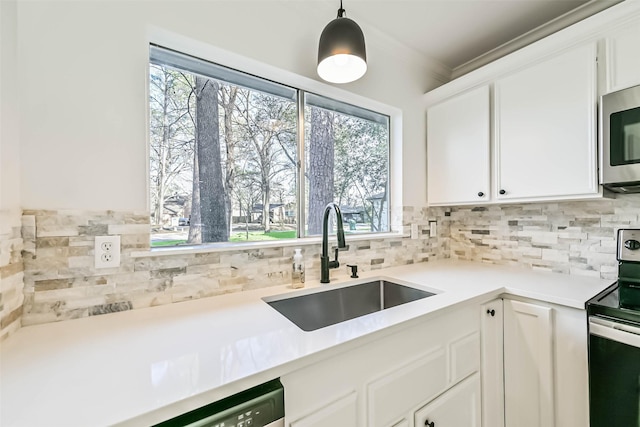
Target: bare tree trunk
229	105
213	203
320	173
379	216
162	153
246	217
195	219
266	196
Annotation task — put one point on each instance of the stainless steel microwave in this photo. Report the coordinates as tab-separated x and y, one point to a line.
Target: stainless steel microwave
620	140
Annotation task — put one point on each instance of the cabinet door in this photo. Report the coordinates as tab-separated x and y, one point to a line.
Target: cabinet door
459	406
398	392
458	149
528	365
342	412
492	368
545	118
571	367
623	60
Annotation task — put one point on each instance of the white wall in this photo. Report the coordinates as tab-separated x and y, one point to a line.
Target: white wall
83	67
9	144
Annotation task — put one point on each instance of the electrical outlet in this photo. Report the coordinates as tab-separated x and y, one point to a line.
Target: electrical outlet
414	231
107	251
433	228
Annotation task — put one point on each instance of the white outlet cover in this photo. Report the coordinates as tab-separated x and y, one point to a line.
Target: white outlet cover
414	231
107	256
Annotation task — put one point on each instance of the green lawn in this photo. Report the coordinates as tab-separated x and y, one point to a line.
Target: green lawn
260	235
167	243
237	237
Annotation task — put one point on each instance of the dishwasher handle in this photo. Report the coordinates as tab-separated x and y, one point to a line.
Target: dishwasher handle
615	331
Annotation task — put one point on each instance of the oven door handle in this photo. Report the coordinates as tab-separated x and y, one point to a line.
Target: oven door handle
619	332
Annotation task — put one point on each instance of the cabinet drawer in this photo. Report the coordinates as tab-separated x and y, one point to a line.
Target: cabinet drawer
390	397
458	407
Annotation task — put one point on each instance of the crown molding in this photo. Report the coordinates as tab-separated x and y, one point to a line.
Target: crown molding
586	30
586	10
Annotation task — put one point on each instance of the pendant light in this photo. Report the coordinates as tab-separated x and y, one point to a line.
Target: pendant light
342	57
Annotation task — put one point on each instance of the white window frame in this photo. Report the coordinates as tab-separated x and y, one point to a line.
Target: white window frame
205	51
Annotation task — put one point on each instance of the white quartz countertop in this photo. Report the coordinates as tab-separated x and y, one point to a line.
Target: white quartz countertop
143	366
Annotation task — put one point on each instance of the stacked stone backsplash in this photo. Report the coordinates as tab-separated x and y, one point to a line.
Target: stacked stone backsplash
567	237
61	282
11	273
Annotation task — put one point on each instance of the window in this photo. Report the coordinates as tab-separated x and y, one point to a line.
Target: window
225	149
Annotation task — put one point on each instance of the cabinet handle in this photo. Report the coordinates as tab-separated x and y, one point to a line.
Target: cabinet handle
502	192
491	312
480	194
429	424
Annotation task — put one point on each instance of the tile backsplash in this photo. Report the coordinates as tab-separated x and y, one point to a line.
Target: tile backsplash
48	274
11	273
61	283
576	237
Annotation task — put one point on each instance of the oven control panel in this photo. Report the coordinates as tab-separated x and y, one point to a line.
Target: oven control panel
629	244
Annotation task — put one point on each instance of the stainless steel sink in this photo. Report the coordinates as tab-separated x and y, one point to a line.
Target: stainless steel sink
319	309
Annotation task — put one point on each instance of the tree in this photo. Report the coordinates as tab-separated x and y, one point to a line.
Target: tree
267	125
228	96
171	132
195	219
321	167
213	201
361	168
247	193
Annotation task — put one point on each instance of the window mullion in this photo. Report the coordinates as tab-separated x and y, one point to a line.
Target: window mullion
301	165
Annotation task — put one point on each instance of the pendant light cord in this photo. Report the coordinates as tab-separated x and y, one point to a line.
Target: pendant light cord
341	11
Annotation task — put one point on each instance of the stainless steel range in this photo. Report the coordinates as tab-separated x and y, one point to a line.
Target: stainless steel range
614	342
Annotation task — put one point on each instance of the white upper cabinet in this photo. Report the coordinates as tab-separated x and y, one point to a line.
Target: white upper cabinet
458	149
622	57
545	134
526	123
541	144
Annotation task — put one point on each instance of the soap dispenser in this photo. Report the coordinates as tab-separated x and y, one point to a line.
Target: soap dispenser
297	274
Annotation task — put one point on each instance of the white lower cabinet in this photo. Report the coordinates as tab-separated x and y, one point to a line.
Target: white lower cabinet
492	363
457	407
342	412
383	383
522	363
399	391
528	365
534	365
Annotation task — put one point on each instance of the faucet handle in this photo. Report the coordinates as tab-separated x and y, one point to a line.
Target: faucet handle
338	248
354	271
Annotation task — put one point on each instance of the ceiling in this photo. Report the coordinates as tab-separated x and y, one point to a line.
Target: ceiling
459	33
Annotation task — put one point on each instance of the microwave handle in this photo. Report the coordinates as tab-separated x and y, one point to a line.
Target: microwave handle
614	331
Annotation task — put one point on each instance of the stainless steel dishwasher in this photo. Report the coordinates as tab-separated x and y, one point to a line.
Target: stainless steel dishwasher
260	406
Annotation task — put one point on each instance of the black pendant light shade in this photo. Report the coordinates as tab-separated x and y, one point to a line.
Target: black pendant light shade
342	56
